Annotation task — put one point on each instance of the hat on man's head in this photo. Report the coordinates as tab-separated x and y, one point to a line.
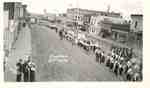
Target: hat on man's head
20	60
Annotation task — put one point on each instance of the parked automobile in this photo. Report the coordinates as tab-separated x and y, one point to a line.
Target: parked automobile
86	44
53	27
70	35
94	46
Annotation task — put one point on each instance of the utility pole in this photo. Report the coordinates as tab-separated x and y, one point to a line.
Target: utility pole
45	11
108	8
76	19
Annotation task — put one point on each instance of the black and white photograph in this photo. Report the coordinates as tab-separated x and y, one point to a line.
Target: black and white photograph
73	40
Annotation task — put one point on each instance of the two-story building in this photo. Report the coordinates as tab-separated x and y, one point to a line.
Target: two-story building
137	28
136	22
137	25
98	23
112	27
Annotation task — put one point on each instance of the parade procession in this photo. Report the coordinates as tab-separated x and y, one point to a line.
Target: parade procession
79	44
121	61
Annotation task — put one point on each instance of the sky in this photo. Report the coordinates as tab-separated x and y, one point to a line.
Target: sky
126	7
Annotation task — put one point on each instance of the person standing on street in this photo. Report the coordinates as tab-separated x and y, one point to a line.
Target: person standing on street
108	61
116	66
102	58
32	71
129	74
19	66
26	71
111	63
61	34
97	55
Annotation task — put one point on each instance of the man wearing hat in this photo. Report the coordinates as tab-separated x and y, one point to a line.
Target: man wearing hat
26	69
96	54
116	66
129	74
61	34
111	63
108	61
19	66
121	65
102	57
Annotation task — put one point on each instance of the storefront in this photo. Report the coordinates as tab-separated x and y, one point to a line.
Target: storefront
120	32
120	36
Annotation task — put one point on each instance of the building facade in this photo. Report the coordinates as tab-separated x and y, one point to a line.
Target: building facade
77	13
82	17
111	27
99	23
137	29
13	13
137	22
120	32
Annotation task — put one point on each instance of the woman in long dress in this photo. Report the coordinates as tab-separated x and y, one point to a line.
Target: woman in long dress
32	71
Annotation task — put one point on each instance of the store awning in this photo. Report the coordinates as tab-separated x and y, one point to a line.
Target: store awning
119	31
